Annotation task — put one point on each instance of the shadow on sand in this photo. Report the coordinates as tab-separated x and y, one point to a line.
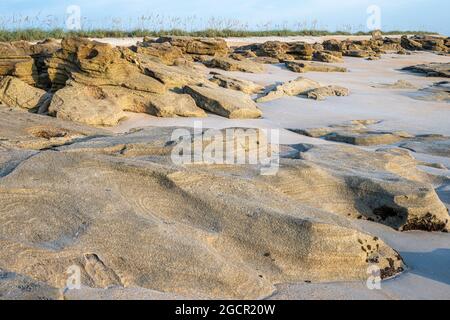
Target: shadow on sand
434	265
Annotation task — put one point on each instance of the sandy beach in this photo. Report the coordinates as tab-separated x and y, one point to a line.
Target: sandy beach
88	177
427	255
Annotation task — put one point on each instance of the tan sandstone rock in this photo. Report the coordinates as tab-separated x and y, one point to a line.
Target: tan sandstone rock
245	86
197	46
16	93
302	67
230	64
86	104
168	219
328	56
225	102
166	52
98	64
323	92
295	87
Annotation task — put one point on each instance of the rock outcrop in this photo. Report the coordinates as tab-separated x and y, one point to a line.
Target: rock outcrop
27	61
433	69
281	50
323	92
356	133
101	82
165	52
302	86
98	64
299	86
302	67
241	235
230	64
245	86
225	102
426	42
16	93
24	130
328	56
86	104
383	186
197	46
173	77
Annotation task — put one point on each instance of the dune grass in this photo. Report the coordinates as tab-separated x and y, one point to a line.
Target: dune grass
34	34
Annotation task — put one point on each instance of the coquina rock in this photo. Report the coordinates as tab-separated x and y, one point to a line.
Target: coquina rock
168	104
410	44
106	81
22	67
328	56
27	61
239	234
30	131
383	186
229	64
299	86
225	102
16	93
87	104
302	67
99	64
165	52
105	106
323	92
173	77
281	50
197	46
433	69
245	86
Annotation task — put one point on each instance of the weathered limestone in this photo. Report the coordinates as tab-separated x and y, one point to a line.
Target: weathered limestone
85	104
245	86
299	86
16	93
168	104
425	42
197	46
323	92
363	138
112	80
171	76
281	50
230	64
27	61
302	67
328	56
25	130
225	102
99	64
167	219
431	69
399	84
383	186
357	133
165	52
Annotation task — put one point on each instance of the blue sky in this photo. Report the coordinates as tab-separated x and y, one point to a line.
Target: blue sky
191	14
